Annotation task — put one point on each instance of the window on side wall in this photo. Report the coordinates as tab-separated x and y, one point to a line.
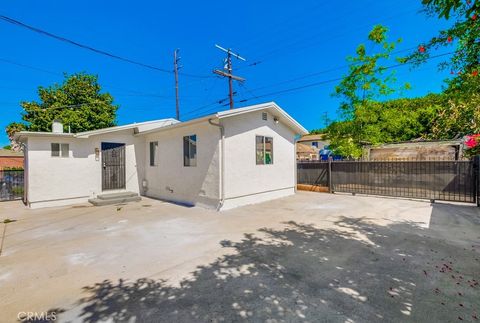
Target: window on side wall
60	150
190	151
153	153
264	150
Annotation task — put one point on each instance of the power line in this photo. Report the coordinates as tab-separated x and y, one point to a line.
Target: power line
218	102
228	71
339	78
261	59
130	91
333	69
92	49
28	66
201	110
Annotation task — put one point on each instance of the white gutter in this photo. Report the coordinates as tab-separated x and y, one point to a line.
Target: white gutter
222	162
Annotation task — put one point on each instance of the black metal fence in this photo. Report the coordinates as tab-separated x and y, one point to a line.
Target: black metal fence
11	184
447	180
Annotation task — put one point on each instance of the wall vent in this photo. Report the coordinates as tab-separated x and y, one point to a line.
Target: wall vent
264	116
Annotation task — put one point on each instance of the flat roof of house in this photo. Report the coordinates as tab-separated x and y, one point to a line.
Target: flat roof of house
319	137
10	153
153	124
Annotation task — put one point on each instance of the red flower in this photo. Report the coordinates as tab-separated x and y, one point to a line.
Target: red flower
475	73
421	49
474	17
449	39
472	141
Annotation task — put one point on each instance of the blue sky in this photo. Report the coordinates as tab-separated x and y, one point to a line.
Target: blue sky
286	39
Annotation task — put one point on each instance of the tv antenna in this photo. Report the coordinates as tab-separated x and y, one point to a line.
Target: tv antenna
227	71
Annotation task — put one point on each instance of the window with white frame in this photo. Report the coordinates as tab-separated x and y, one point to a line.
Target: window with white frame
153	153
190	150
264	150
60	150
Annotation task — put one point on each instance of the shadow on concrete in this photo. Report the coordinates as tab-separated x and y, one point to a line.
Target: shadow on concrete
355	271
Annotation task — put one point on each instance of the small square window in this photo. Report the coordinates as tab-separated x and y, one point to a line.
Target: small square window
60	150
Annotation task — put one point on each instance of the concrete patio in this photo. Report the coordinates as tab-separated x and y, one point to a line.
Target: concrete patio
308	257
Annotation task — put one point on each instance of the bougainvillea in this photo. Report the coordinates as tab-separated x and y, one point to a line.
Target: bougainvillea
472	145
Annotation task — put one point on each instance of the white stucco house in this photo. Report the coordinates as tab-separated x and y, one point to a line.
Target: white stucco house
221	161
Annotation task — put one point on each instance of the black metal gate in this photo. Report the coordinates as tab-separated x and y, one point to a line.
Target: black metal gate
447	180
113	166
11	184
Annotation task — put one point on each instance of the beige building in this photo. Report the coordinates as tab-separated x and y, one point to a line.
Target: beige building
306	152
309	146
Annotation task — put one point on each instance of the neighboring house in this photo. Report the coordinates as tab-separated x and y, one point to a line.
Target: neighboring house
10	159
315	143
222	160
416	150
306	153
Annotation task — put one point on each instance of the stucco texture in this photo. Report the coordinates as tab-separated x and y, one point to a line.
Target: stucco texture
56	181
245	181
170	180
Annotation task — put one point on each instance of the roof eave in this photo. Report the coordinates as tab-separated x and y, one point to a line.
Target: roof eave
179	124
299	129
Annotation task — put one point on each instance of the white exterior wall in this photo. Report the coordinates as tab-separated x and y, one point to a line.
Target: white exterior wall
170	180
54	181
245	181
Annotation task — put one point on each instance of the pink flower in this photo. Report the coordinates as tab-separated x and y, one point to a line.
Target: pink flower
472	141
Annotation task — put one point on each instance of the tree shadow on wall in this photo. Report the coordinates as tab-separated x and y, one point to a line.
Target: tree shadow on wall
355	272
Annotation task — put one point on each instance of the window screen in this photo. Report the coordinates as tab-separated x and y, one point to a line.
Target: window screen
190	150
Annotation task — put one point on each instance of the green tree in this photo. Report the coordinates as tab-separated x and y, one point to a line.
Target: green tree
459	112
367	78
10	130
77	102
463	35
383	122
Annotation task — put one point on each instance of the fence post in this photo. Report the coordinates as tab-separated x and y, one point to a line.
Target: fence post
476	171
330	188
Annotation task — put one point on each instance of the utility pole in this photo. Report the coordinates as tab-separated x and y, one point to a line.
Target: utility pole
176	59
228	71
325	119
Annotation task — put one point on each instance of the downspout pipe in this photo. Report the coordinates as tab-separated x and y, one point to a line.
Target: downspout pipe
222	162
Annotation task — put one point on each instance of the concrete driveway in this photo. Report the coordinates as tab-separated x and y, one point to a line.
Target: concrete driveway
309	257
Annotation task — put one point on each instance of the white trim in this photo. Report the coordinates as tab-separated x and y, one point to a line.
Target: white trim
87	134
